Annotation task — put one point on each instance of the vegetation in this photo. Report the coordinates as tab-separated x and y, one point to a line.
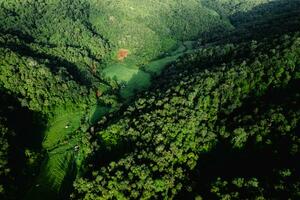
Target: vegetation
4	169
265	133
166	131
152	99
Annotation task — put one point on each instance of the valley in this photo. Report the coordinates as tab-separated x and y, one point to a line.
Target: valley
136	99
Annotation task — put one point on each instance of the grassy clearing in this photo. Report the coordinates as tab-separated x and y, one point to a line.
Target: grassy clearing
121	72
129	74
59	170
65	122
53	173
63	161
157	66
136	79
139	81
98	112
60	161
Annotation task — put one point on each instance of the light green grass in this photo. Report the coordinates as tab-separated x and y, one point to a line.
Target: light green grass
134	78
53	173
139	81
98	112
63	161
57	130
157	66
122	72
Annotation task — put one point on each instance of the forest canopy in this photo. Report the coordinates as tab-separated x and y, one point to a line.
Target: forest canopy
139	99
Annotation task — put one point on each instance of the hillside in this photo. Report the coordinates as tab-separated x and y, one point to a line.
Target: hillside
207	110
151	99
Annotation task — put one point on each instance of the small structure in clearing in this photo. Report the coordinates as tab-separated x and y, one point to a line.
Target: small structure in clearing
122	54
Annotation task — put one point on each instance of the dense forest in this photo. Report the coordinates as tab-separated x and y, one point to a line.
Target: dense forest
132	99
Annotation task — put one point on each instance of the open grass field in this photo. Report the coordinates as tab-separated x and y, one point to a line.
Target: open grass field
121	72
136	79
62	124
130	75
98	112
157	66
54	172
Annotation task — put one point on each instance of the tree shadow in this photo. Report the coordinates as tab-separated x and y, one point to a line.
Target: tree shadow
265	20
266	11
28	128
227	163
254	160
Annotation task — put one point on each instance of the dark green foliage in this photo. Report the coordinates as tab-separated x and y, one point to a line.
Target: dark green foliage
21	151
35	85
229	89
257	154
167	130
4	169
